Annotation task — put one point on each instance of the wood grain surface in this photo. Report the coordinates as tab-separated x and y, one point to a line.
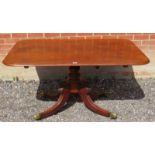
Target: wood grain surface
75	52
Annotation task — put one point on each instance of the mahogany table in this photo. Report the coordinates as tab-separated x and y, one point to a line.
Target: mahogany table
73	53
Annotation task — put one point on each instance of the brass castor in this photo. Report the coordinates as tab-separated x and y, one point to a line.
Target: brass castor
113	115
37	117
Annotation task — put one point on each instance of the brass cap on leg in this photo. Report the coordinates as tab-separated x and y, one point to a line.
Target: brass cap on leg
37	117
113	115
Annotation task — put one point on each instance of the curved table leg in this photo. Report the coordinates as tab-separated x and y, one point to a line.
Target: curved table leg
56	107
92	106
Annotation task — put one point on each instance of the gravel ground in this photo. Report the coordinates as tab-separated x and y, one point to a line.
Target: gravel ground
132	100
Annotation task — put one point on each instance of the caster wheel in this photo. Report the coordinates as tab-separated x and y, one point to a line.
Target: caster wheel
113	115
37	117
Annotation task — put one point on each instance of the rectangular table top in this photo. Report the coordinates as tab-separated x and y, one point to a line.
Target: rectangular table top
75	52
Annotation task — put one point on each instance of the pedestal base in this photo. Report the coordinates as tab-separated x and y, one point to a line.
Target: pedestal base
74	85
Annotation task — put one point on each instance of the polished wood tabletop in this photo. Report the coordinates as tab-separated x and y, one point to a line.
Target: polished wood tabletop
75	52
